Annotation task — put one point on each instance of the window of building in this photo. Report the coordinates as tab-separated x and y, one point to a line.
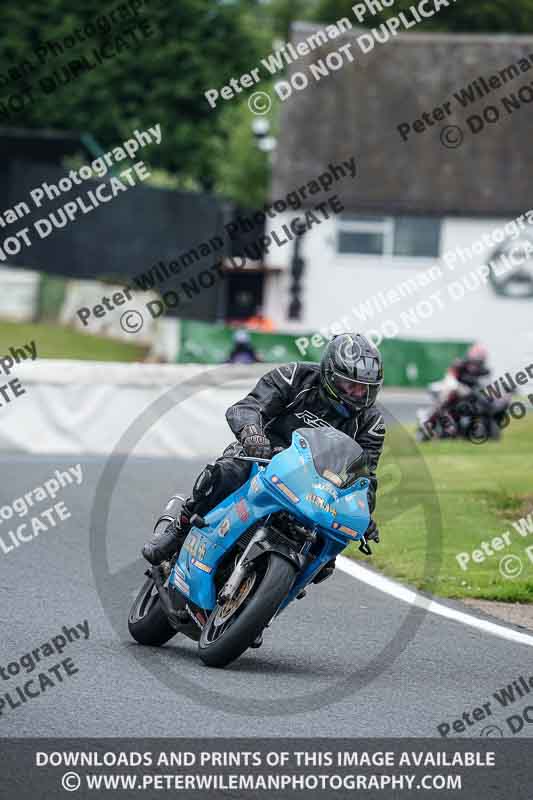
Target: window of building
410	237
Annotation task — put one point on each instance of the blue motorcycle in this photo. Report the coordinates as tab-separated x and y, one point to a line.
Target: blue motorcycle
259	549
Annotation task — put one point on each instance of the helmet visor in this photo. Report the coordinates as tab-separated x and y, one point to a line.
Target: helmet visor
356	393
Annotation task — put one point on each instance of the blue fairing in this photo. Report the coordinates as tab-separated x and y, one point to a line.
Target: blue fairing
289	483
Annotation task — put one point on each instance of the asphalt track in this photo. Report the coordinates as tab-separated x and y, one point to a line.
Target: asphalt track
320	672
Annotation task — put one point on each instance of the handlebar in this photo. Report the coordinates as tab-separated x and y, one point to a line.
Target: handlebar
254	460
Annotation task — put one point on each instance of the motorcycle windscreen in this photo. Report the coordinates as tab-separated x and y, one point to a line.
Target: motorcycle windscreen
336	456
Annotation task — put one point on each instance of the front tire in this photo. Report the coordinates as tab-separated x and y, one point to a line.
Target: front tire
147	622
220	644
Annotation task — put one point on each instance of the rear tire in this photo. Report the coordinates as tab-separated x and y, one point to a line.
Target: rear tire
251	618
147	622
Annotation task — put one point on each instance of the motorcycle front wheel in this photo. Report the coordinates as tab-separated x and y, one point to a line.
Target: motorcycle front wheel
234	626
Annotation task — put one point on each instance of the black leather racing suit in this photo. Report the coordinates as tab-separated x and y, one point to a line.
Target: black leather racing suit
287	398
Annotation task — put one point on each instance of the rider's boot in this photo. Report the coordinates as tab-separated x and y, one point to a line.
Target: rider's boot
430	423
162	545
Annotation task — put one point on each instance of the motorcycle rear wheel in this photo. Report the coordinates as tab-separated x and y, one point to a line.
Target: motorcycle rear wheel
147	622
230	630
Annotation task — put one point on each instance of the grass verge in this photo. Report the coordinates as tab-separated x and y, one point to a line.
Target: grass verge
481	490
56	341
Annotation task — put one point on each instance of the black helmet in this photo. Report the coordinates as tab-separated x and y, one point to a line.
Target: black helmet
351	371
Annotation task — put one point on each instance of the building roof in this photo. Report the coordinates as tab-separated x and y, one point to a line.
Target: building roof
357	110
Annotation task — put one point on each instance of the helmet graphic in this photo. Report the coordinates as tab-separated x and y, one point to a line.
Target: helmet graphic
351	371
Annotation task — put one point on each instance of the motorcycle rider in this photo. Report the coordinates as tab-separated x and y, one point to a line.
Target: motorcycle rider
340	392
472	368
460	381
243	351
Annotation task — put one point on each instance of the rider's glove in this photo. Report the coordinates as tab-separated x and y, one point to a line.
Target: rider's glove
372	532
255	442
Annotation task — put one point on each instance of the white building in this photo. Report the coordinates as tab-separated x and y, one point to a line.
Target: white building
426	211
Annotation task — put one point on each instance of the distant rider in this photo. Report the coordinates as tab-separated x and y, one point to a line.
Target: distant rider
461	380
243	351
340	392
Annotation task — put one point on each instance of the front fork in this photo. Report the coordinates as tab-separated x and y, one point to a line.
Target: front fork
258	546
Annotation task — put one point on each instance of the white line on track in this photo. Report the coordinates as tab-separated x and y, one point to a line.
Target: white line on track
383	584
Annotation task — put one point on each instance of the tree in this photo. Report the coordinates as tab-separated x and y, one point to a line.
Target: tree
242	171
283	13
190	46
489	16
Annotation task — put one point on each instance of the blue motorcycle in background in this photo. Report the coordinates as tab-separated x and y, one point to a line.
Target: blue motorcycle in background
255	552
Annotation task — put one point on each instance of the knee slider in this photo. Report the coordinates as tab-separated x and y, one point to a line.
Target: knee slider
205	483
